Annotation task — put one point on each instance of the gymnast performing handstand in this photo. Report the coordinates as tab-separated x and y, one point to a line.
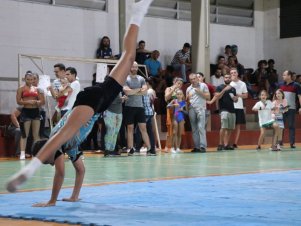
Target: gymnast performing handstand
75	126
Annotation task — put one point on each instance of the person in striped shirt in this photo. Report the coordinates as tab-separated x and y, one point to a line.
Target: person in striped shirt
181	60
291	91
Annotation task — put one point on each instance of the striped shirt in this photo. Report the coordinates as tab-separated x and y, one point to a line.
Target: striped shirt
291	92
180	56
147	104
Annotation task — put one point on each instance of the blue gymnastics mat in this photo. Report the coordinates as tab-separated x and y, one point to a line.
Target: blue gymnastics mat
248	199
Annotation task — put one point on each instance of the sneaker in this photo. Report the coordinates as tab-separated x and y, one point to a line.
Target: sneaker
173	151
278	147
124	150
195	150
151	153
293	146
220	147
229	148
143	149
112	154
202	150
131	152
178	150
22	157
274	148
258	148
234	146
137	152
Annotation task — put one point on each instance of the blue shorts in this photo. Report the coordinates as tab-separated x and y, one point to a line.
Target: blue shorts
71	146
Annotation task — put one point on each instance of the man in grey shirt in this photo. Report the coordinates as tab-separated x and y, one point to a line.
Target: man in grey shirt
135	88
197	94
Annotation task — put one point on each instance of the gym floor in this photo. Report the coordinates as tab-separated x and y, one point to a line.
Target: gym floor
102	171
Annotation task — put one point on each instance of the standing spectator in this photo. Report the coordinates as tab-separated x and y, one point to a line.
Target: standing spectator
135	88
147	100
104	50
112	120
292	91
279	108
59	71
211	89
179	107
71	74
197	94
264	109
169	95
61	96
182	60
35	82
30	98
241	93
142	54
226	95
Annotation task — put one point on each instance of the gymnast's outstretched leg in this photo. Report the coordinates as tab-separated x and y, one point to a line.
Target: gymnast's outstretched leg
84	107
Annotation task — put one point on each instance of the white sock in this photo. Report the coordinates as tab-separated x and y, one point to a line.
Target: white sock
139	9
31	168
20	178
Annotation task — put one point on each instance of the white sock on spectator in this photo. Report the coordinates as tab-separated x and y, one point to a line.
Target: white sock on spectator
139	9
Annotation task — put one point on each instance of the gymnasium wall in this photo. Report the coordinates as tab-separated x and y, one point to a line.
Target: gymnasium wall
61	31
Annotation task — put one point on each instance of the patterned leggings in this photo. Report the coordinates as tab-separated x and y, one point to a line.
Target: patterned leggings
113	123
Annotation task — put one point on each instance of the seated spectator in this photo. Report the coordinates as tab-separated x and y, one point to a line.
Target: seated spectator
260	75
220	63
245	78
233	63
141	53
154	67
104	50
217	79
298	79
181	60
272	77
228	52
14	128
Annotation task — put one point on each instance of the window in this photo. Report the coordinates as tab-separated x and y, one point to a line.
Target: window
100	5
290	18
231	12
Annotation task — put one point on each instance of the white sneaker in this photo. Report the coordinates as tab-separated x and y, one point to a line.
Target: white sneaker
178	150
22	157
143	149
173	151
